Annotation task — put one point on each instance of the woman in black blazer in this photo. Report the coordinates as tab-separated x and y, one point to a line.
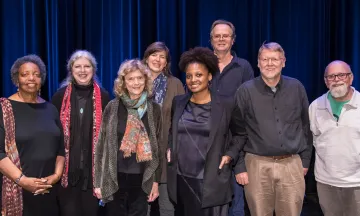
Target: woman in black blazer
199	176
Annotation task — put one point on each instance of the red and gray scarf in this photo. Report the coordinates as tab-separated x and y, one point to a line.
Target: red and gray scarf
12	202
65	118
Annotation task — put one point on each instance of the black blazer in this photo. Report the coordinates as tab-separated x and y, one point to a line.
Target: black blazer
217	183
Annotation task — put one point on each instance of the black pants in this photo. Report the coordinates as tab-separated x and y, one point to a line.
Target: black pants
189	194
130	199
73	201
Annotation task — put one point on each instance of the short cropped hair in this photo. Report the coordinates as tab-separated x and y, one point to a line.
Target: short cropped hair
273	46
221	21
200	55
14	71
127	67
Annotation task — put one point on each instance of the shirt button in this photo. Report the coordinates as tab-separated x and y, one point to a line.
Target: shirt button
279	132
275	108
277	120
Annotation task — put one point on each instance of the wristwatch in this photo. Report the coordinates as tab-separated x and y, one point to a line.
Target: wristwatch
18	179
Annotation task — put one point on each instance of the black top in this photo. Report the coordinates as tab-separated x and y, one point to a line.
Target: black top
38	136
85	115
271	123
193	139
233	75
129	164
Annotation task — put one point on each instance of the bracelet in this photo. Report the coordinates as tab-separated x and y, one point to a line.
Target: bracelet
18	179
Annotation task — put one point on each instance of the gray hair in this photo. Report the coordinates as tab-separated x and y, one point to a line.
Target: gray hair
225	22
75	56
273	46
127	67
14	71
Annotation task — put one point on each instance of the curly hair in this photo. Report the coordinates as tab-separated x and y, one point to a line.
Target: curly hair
158	47
14	71
200	55
75	56
127	67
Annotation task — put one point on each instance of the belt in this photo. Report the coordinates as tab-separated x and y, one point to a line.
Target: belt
279	157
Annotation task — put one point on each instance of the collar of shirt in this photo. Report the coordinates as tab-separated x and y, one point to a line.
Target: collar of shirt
353	103
263	86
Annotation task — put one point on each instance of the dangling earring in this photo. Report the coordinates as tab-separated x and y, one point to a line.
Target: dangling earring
39	92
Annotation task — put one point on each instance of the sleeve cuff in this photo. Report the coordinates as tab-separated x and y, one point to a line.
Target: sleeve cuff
240	168
305	162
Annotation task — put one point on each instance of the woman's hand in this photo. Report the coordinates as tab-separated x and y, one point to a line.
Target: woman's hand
168	155
52	179
154	192
35	185
224	160
98	193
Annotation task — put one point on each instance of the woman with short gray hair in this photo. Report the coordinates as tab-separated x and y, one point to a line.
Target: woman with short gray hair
80	101
32	153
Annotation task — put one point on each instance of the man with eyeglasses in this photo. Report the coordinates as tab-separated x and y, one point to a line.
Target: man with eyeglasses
271	130
335	124
233	72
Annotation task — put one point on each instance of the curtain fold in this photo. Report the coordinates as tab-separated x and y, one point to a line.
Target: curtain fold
312	33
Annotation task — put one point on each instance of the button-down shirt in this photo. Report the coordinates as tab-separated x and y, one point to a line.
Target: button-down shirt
233	75
271	123
336	142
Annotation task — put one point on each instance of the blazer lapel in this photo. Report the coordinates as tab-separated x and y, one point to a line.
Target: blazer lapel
216	115
180	106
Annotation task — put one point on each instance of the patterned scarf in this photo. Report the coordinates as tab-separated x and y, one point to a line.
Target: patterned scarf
136	139
65	114
160	86
12	202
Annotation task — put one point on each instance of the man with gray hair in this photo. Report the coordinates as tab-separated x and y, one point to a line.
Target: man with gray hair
271	134
335	124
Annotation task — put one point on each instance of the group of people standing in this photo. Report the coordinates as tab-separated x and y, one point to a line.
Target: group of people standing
83	154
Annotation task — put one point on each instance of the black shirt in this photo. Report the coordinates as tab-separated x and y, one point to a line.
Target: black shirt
193	139
233	75
39	140
269	123
128	165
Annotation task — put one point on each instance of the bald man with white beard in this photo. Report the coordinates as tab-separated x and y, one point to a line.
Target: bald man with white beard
335	124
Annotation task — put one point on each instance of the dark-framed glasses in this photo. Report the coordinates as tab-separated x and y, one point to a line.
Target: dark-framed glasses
340	76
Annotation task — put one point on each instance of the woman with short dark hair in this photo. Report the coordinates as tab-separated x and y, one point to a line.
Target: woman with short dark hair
31	144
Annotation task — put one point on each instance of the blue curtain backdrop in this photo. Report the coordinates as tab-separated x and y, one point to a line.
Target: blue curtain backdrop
312	33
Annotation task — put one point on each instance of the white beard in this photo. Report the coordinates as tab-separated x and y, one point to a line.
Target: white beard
339	91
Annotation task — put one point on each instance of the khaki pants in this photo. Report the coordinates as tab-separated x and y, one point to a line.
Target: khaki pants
274	185
336	201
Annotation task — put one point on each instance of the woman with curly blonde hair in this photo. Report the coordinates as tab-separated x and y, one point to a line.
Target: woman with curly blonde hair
127	158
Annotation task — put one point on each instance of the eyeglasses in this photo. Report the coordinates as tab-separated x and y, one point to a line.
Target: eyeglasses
341	76
219	36
273	60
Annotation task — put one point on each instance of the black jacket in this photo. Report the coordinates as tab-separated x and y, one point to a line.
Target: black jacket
217	183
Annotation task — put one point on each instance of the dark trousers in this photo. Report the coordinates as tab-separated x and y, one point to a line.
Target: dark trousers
74	201
130	199
189	193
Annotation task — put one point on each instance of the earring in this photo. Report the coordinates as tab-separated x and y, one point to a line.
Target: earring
39	92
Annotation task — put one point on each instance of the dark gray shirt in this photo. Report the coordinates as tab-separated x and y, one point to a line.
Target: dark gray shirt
233	75
269	123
